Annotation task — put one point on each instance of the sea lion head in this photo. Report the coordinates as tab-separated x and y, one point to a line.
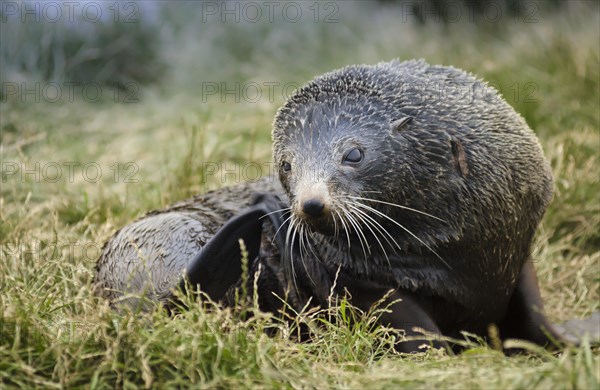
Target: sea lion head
342	153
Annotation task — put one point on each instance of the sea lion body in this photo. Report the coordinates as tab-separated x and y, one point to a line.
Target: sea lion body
400	177
447	195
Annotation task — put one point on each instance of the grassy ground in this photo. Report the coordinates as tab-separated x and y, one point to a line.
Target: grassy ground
54	333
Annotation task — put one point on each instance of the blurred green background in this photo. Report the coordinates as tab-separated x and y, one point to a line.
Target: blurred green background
108	110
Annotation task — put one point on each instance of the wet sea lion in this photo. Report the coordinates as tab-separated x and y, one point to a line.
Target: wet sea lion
399	176
422	179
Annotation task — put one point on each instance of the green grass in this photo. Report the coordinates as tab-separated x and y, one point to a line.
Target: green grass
55	333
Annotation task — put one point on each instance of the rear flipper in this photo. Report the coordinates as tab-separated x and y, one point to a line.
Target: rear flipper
577	330
525	319
218	266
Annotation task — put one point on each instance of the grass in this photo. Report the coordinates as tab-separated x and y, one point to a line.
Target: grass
55	333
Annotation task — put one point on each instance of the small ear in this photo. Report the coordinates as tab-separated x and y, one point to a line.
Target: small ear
399	124
460	157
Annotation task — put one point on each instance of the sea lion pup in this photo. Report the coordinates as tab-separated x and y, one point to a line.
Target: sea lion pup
421	179
197	238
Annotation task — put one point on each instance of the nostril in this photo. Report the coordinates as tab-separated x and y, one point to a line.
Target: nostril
313	207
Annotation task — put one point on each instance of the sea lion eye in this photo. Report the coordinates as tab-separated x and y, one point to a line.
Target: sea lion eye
286	166
353	156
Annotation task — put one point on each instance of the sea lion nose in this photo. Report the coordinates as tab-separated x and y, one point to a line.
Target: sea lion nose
313	207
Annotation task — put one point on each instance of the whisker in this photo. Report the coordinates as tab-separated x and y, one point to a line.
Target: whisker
277	232
303	245
310	236
370	223
359	232
359	215
397	205
335	228
287	209
296	234
290	252
345	227
405	229
380	228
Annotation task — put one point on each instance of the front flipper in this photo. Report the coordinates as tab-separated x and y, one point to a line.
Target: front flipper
405	311
525	317
409	314
218	265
